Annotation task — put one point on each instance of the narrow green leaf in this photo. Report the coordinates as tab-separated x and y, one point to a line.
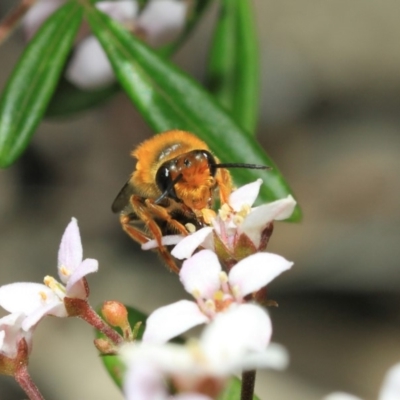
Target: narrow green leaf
168	98
33	81
68	99
233	75
232	390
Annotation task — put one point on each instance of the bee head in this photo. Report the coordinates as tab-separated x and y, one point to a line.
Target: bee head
188	178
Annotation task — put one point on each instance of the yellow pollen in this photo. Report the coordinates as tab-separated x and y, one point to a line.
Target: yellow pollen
196	294
65	271
223	277
190	227
218	295
238	219
242	214
235	291
210	305
49	281
43	296
208	215
224	212
52	284
245	210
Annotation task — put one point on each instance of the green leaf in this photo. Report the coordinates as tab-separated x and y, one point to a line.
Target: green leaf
33	81
168	98
232	390
233	75
114	364
68	99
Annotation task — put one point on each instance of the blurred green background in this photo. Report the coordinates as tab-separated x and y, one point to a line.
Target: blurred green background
329	119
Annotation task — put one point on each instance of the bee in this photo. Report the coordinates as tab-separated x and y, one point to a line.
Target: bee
172	189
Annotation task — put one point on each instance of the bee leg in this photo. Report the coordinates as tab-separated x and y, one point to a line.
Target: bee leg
162	213
146	216
224	183
136	234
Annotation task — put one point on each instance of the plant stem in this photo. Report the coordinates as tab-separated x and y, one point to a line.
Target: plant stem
13	18
82	309
25	381
94	319
248	382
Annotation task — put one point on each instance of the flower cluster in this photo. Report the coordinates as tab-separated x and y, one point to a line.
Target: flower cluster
28	303
225	267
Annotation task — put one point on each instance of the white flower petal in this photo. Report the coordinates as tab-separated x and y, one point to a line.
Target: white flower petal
35	17
169	357
186	247
89	67
234	335
256	271
190	396
245	195
56	309
170	321
70	252
26	297
162	20
201	274
168	240
284	208
391	385
75	287
122	10
144	382
2	337
274	356
11	334
341	396
261	216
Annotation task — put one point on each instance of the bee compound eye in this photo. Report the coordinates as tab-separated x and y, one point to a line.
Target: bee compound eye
211	162
165	182
163	179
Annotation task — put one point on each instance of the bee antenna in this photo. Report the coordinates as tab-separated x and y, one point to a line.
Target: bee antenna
168	189
240	165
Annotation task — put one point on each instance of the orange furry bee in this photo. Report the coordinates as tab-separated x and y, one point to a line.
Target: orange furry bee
173	185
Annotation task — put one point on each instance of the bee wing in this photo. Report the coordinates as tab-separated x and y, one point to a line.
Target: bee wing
123	197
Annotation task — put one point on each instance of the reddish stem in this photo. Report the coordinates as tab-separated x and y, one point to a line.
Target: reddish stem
81	308
25	381
12	19
91	317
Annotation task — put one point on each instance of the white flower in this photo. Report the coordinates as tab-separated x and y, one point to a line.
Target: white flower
11	334
144	382
236	340
214	291
390	389
36	300
235	219
89	68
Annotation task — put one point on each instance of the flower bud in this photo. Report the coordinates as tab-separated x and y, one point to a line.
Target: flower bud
115	313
